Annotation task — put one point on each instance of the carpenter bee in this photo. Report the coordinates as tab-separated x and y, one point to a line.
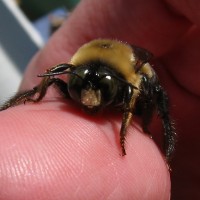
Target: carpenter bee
109	73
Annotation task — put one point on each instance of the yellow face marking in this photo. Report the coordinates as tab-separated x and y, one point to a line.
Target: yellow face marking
91	98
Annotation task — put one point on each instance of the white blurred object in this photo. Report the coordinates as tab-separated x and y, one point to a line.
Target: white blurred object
24	22
10	77
19	41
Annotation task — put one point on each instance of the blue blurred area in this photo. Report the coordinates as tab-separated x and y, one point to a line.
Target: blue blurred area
43	24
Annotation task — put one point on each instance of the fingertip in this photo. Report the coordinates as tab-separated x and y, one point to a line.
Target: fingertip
69	150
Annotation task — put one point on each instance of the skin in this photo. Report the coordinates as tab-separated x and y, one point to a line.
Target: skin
52	150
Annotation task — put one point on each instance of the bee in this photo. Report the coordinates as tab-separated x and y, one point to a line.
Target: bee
105	73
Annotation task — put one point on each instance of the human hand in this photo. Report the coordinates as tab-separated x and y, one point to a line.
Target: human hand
54	151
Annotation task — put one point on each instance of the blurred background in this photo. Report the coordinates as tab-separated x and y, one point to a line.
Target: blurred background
25	27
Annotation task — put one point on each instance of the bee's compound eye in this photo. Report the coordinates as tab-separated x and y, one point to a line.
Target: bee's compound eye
108	87
75	85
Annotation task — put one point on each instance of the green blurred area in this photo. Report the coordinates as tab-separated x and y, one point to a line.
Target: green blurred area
37	8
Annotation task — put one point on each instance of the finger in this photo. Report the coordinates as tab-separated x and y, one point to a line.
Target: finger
189	9
63	45
53	153
148	24
183	63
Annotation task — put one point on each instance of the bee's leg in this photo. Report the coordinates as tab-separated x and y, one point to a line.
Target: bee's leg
28	95
126	119
19	98
154	97
62	87
39	90
49	80
169	130
146	102
147	117
129	101
43	86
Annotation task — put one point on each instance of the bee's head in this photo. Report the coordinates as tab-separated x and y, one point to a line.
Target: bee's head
94	86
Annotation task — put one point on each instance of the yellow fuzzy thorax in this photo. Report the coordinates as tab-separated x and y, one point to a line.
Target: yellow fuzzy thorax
117	54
